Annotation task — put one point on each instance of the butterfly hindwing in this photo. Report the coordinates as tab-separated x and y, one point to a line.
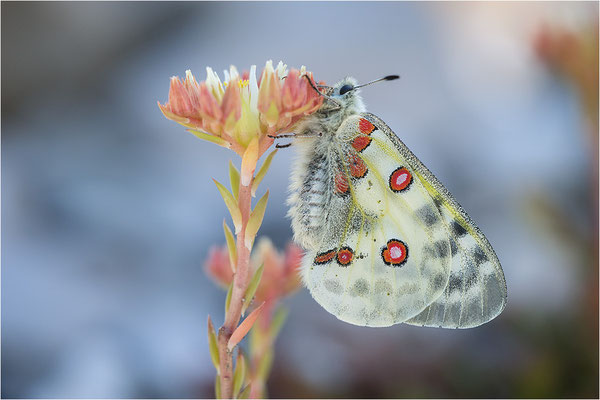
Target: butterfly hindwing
385	255
476	290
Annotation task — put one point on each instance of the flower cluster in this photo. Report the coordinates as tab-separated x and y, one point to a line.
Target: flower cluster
234	112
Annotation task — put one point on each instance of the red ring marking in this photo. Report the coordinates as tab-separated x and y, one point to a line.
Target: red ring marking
400	179
365	126
324	258
358	169
361	142
345	256
395	253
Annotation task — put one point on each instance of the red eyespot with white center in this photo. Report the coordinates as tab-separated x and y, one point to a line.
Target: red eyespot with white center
400	179
395	253
345	256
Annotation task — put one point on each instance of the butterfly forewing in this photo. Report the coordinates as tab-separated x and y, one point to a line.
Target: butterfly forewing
476	289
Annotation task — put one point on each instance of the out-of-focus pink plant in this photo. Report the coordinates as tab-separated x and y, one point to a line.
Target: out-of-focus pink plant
243	114
279	270
574	55
280	278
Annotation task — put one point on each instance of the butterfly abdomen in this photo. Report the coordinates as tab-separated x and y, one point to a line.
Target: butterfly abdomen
310	190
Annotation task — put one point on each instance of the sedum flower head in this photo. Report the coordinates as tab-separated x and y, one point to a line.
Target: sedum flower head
240	108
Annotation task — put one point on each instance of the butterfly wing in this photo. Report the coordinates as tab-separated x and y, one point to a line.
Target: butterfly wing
384	255
476	290
392	249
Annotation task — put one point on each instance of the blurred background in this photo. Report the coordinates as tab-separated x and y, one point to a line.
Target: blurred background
108	209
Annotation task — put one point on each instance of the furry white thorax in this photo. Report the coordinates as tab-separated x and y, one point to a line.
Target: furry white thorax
313	171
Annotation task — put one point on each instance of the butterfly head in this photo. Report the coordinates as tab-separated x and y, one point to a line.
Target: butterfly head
343	98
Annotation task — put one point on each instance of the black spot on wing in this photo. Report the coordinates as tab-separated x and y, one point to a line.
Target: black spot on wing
458	229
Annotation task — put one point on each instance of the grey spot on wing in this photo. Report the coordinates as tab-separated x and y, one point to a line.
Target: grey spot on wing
470	274
479	255
454	283
383	287
441	248
438	280
453	247
333	286
360	288
429	215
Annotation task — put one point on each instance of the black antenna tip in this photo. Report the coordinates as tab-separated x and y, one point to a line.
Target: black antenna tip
391	77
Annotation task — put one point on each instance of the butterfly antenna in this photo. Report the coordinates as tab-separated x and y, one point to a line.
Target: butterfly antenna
320	93
385	78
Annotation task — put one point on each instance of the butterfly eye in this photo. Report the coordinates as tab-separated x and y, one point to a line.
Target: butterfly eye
345	89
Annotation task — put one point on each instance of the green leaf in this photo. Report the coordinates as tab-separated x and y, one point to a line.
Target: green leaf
252	286
234	178
262	171
210	138
277	322
239	375
212	344
228	297
264	367
234	210
255	220
230	246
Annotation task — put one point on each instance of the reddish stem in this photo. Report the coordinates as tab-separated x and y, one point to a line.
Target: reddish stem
241	279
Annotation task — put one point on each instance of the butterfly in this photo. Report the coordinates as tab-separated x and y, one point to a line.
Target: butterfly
386	243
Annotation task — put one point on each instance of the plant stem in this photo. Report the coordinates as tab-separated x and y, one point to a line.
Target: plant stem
241	279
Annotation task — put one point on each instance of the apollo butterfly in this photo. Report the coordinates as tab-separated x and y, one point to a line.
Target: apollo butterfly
386	242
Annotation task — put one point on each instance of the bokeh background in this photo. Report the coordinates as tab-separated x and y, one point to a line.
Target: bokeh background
108	209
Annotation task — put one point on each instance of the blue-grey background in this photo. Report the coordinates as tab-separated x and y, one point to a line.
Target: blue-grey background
108	209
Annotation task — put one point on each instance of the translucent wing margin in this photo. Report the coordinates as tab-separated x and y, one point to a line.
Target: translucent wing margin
476	290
